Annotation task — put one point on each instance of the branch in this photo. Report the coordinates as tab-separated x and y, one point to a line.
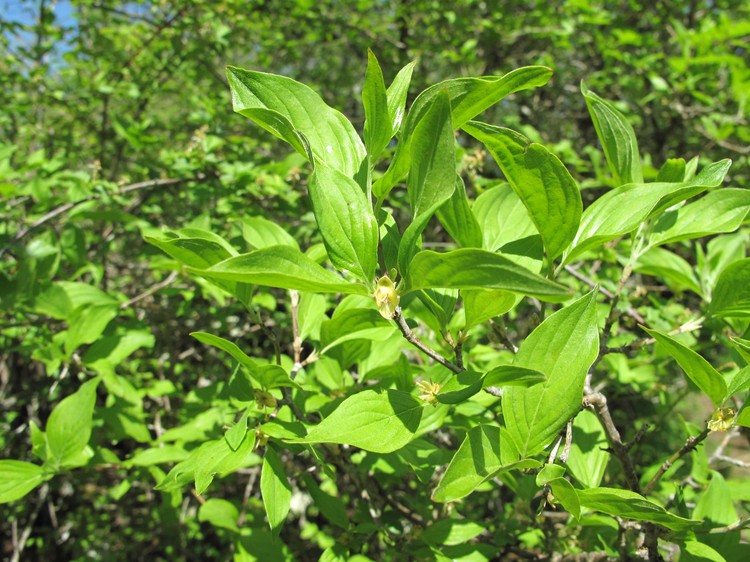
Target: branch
151	290
690	444
21	544
416	342
632	312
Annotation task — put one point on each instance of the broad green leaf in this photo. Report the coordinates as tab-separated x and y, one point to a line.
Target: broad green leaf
380	422
193	247
549	472
563	347
470	268
411	241
627	504
378	125
743	348
617	138
236	434
740	382
696	367
432	175
731	295
694	551
476	461
330	506
546	188
480	306
566	495
513	375
715	504
295	113
397	93
354	324
220	513
441	303
719	253
18	478
670	267
672	170
231	348
451	531
346	222
460	387
502	217
282	267
719	211
69	425
456	216
110	351
622	210
468	98
588	452
275	489
260	232
87	325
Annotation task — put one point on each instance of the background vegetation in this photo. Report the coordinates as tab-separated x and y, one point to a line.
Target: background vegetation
117	122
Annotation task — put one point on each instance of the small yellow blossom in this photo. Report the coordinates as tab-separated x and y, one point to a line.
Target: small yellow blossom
430	391
386	297
722	419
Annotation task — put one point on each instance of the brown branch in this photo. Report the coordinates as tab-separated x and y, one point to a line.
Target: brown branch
151	290
690	444
606	292
416	342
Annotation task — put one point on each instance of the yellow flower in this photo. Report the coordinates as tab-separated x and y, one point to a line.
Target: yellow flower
430	391
722	419
386	297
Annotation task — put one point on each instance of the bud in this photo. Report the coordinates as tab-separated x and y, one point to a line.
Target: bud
386	297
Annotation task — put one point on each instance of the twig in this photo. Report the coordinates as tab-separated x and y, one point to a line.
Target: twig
296	340
732	461
246	495
151	290
606	292
598	401
416	342
502	333
741	524
690	444
21	544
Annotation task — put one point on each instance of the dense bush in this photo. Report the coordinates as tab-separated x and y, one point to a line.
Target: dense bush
213	343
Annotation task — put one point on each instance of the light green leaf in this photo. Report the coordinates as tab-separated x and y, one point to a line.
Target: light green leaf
330	506
295	113
623	209
236	434
441	303
627	504
231	348
456	216
87	324
460	387
470	268
220	513
588	452
69	425
18	478
397	93
563	347
193	247
380	422
260	232
617	138
468	98
549	472
502	217
719	211
694	551
673	170
432	176
731	295
346	222
476	461
739	383
110	351
275	489
696	367
282	267
480	306
715	504
354	324
378	125
566	495
670	267
513	375
546	188
446	532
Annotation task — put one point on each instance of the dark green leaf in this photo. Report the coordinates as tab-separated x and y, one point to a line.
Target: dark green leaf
456	216
512	375
731	295
378	124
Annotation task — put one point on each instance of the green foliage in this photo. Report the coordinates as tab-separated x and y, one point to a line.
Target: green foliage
459	319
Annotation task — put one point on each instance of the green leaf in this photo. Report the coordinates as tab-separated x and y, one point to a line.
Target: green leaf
354	324
739	383
617	138
70	423
432	176
566	495
672	170
541	181
715	504
378	124
719	211
282	267
502	217
627	504
18	478
397	93
696	367
193	247
346	222
480	306
695	551
731	295
451	532
456	216
470	268
296	114
563	347
588	452
260	232
468	98
330	506
220	513
622	210
275	489
236	434
513	375
87	325
670	267
231	348
380	422
476	461
460	387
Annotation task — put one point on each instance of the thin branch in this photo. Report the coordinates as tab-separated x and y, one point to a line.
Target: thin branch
296	340
606	292
690	444
499	329
741	524
21	544
416	342
151	290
